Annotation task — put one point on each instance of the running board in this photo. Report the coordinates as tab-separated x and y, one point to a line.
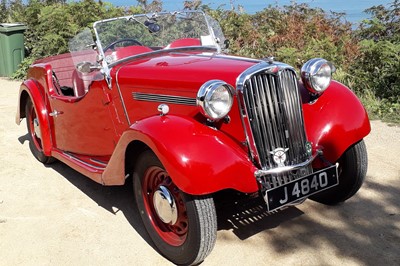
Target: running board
93	171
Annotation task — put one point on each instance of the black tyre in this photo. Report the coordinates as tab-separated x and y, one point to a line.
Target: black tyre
34	134
183	227
352	170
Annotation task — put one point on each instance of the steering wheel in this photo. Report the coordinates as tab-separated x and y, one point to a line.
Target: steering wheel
111	45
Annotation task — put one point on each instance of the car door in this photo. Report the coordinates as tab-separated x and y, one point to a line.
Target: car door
83	125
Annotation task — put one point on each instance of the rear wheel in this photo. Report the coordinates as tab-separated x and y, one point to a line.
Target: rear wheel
352	170
34	134
183	227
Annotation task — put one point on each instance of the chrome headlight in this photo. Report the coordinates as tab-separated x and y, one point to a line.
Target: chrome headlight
215	99
317	75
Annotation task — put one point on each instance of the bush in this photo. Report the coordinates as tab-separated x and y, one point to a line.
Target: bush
377	68
20	73
368	59
292	34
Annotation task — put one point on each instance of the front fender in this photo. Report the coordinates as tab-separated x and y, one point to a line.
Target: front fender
336	121
30	89
199	159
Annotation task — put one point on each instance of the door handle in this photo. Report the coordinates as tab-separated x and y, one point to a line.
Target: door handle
55	113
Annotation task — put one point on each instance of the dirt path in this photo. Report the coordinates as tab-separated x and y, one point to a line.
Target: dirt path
55	216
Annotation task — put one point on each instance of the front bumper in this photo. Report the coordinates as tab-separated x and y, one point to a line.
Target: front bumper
291	185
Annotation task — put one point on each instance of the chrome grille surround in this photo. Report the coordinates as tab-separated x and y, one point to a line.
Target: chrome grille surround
272	116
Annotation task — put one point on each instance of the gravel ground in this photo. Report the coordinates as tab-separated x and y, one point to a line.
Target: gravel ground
55	216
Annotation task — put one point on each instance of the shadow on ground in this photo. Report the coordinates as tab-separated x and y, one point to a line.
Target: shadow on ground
246	216
112	198
365	229
362	223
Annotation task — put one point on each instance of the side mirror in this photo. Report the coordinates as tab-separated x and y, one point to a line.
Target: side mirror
227	43
87	67
152	26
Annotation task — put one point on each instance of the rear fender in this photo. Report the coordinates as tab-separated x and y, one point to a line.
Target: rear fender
34	91
336	121
199	159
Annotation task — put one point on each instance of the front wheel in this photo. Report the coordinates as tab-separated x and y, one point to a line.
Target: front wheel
182	226
352	170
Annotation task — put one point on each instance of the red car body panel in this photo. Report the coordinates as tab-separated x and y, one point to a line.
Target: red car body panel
201	160
76	130
34	90
93	132
192	71
335	121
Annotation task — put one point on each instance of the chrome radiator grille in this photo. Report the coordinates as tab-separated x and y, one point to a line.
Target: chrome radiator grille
275	120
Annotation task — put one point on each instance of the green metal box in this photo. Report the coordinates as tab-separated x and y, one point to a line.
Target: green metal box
11	47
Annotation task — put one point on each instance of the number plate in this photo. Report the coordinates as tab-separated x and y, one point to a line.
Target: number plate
301	188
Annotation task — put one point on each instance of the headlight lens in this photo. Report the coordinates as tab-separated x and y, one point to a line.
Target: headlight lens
317	75
215	99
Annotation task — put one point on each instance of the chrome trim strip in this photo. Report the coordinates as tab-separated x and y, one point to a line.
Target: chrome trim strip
229	57
262	66
284	169
98	162
163	98
122	98
72	157
238	58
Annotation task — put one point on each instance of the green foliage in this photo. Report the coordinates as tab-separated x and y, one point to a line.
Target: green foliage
368	58
292	34
20	73
384	24
379	108
51	23
3	10
54	29
377	68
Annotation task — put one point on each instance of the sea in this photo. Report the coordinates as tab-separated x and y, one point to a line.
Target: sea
354	9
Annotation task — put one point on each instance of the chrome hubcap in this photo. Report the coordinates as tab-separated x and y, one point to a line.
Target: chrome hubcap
165	205
36	128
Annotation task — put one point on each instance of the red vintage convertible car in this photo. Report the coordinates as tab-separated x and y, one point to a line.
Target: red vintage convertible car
156	98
